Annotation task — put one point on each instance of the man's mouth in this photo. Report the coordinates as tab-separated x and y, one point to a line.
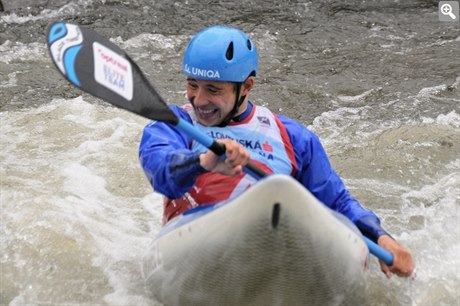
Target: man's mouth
207	113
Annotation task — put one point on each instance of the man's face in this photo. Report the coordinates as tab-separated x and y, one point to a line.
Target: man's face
212	100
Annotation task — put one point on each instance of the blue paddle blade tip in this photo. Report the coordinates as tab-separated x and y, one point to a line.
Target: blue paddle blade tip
57	31
65	41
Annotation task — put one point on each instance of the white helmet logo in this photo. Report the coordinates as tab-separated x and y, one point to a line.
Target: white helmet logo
212	74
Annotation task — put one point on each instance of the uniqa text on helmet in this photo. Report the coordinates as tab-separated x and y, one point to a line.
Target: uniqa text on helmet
214	74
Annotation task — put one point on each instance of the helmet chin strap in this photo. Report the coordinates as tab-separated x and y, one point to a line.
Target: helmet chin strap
238	101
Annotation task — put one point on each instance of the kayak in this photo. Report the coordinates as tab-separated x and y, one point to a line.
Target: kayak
275	244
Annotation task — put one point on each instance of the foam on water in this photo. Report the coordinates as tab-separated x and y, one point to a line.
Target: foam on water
76	209
11	82
78	212
17	51
433	215
71	8
407	170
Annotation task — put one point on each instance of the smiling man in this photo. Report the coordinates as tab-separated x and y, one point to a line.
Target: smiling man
221	64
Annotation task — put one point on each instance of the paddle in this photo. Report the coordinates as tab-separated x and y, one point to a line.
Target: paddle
99	67
102	69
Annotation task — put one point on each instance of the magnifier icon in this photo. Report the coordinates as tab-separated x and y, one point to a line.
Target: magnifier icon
446	9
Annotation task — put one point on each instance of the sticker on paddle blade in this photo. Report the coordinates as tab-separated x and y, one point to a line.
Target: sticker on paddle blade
113	71
65	41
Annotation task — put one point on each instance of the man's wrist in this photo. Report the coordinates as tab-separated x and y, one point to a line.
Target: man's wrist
371	228
185	167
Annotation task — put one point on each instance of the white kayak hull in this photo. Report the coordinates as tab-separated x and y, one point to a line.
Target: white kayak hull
274	245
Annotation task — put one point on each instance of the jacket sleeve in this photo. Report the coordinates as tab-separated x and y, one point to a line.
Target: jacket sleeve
165	156
315	172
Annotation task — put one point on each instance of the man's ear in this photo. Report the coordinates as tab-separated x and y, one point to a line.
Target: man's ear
247	86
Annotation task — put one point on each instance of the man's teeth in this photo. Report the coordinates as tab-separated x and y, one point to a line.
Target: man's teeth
207	111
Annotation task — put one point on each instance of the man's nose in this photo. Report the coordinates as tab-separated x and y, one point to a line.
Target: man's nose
200	97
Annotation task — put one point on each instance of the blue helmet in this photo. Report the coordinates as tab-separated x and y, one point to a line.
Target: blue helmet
220	53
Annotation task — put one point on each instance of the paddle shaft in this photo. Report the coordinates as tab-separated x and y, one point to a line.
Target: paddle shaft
99	67
379	252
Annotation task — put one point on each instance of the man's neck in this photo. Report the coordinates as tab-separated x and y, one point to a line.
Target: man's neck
243	115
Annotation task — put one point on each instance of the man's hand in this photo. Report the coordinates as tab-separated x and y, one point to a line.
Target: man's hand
403	264
236	157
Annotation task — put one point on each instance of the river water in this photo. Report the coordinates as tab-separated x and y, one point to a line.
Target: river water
378	81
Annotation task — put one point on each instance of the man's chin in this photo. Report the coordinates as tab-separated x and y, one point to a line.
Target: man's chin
205	123
208	121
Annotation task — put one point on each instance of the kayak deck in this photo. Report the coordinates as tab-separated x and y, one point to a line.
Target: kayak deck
273	245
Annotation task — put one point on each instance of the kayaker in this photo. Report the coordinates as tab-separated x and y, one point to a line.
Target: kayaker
220	64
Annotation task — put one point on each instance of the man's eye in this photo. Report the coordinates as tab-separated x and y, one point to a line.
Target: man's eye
214	90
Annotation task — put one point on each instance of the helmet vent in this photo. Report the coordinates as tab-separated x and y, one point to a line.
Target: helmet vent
249	44
229	53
